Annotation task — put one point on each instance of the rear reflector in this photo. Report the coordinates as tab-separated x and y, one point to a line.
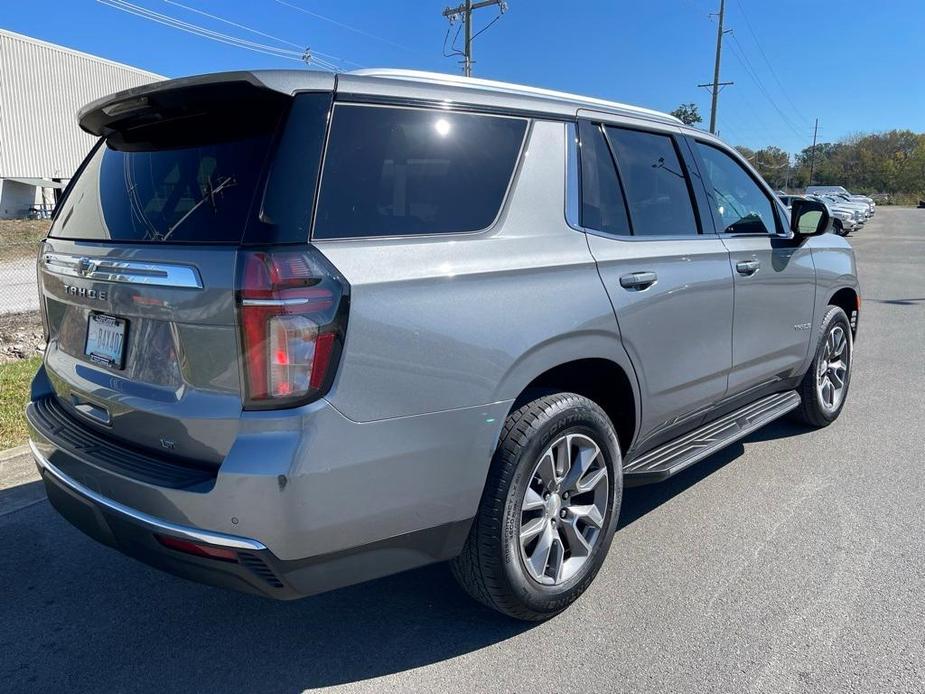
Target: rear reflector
293	314
196	549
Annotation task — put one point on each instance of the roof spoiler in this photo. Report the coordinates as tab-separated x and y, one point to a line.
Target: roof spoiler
168	99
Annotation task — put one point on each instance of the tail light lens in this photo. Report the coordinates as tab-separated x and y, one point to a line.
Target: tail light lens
293	313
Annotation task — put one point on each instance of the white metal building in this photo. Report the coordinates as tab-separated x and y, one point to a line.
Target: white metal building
42	86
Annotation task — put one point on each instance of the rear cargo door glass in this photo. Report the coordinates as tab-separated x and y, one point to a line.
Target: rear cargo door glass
196	194
391	171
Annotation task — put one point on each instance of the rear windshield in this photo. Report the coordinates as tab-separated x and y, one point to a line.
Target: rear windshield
199	194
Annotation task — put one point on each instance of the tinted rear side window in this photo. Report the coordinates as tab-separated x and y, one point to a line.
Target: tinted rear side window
401	171
602	204
655	183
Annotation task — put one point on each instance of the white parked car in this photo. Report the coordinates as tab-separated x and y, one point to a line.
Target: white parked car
844	193
844	219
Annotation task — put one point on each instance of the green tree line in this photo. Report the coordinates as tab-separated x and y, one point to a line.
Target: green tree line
891	162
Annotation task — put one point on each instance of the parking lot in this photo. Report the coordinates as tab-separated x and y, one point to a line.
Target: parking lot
790	562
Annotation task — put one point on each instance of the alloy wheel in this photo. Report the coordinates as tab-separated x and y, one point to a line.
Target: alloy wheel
563	509
832	370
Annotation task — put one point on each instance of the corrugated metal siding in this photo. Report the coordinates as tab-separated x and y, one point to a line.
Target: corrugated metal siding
42	87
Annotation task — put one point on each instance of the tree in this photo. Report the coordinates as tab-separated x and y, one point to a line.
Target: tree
687	114
773	164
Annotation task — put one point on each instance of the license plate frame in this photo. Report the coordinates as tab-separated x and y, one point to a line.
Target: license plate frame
105	341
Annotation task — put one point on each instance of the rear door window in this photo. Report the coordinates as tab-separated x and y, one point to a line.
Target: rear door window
655	183
602	205
391	171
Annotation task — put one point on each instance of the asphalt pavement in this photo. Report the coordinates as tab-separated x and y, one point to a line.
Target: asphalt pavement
791	562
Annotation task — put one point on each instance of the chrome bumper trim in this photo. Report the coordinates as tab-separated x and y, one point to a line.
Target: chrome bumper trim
185	532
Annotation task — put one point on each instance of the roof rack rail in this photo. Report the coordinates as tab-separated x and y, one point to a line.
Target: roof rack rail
511	88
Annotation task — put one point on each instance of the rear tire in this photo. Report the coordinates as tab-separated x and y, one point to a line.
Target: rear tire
541	534
824	388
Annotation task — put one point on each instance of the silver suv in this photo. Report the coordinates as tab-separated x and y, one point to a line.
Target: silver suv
305	330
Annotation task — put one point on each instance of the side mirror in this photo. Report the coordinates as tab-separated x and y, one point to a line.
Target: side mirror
808	217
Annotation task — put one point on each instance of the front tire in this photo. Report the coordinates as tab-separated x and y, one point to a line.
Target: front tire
824	388
549	509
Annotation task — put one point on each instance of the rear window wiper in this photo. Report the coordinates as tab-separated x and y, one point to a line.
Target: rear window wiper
209	197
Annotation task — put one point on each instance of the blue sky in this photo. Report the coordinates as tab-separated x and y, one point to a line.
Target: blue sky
857	66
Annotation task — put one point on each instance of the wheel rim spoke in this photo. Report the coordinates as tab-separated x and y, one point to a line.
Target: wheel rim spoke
533	501
546	470
540	557
589	514
530	530
591	480
576	540
580	465
556	560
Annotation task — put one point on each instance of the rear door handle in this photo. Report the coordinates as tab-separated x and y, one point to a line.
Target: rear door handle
747	267
638	280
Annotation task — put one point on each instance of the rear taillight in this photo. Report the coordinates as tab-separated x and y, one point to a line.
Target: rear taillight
293	315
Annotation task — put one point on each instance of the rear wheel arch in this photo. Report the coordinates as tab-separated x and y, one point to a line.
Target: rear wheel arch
602	381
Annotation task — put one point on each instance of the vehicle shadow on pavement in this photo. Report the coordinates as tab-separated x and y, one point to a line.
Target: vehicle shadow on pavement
81	616
638	501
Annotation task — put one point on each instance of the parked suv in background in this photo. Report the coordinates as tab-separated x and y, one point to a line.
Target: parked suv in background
305	330
844	194
844	219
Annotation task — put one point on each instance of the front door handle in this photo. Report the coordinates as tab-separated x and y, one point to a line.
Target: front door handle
747	267
638	280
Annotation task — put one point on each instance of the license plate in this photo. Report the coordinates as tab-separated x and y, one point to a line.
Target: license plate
106	340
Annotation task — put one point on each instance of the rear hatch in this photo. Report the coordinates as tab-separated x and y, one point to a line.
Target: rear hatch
138	274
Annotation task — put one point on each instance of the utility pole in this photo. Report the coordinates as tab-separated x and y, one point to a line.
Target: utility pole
465	11
812	158
715	86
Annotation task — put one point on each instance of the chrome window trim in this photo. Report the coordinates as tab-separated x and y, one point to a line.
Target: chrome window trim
125	271
183	531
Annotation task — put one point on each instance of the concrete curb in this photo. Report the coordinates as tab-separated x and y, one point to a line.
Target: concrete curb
11	453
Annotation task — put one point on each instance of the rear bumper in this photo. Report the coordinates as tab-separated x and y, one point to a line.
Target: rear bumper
255	569
308	500
134	533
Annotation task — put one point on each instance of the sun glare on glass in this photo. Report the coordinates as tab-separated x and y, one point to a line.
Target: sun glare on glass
442	127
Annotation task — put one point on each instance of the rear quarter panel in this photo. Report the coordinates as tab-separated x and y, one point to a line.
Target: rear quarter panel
439	323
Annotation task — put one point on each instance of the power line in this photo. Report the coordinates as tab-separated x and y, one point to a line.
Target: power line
354	29
228	21
190	28
238	42
770	65
739	53
313	52
465	11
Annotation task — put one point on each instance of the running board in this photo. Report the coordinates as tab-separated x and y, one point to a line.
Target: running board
674	456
